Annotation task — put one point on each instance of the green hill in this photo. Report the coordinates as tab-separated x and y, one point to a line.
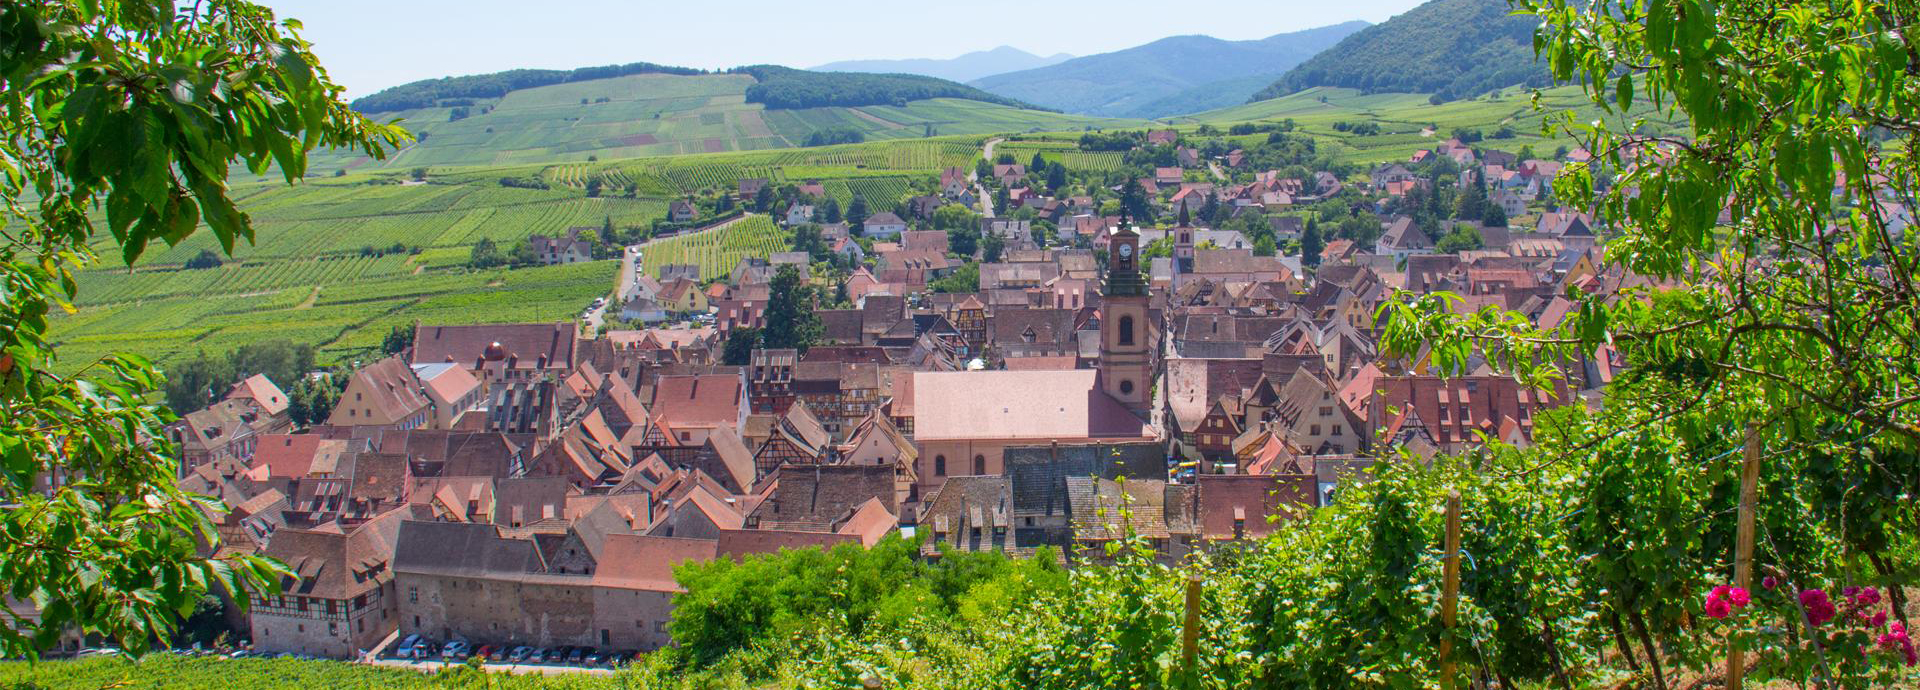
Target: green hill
659	113
337	262
1450	48
1170	76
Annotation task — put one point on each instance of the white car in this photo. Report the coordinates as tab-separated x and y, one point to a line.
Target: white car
455	650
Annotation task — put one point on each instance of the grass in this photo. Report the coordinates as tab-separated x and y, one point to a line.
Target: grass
187	673
718	251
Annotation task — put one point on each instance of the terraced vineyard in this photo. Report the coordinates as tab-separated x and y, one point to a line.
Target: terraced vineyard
717	251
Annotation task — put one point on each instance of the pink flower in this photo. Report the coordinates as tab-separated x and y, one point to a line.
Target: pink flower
1718	607
1769	582
1738	596
1877	620
1866	596
1819	608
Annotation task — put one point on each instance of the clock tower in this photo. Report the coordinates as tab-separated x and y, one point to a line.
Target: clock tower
1126	372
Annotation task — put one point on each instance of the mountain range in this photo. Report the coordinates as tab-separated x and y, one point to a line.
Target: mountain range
1171	76
968	67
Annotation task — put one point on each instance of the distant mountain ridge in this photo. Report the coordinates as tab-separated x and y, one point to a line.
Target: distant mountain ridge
1451	48
1170	76
968	67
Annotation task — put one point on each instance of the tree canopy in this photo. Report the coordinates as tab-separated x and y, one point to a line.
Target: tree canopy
137	109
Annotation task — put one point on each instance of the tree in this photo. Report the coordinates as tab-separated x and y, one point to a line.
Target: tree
524	255
207	258
991	246
1311	244
137	109
608	236
419	174
741	343
1263	246
1133	200
832	210
1790	325
485	254
791	322
763	199
806	238
966	278
593	188
964	241
955	217
1495	217
1038	164
982	170
1056	177
857	214
1462	238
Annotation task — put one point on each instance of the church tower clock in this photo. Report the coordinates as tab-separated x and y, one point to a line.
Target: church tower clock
1126	371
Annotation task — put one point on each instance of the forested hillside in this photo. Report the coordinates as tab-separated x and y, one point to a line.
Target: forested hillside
786	88
1451	48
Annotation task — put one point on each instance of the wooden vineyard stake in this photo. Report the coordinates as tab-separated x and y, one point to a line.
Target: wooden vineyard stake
1190	632
1743	547
1450	589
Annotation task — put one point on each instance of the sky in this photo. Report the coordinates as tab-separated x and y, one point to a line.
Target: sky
368	45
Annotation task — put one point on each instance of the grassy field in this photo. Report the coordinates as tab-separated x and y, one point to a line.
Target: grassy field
315	272
660	115
717	251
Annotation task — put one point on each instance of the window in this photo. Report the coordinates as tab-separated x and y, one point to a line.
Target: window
979	464
1338	430
1126	387
1126	330
939	465
1313	430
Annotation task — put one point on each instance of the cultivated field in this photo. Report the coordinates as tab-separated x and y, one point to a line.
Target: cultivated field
321	269
717	251
662	115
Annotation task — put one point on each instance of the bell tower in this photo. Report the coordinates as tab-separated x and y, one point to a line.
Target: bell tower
1126	374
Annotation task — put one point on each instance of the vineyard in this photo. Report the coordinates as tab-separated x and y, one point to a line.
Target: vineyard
717	251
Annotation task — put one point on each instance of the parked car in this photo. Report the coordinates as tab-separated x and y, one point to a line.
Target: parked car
456	650
595	658
406	647
541	655
577	654
484	652
98	651
519	654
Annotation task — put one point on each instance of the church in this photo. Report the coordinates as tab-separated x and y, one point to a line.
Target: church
965	420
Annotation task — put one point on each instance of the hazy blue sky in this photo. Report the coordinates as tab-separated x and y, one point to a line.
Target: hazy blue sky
369	45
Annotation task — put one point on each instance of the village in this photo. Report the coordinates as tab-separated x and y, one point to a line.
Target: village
1199	346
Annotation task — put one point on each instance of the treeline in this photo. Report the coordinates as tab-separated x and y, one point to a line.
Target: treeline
835	135
1450	48
785	87
460	91
195	383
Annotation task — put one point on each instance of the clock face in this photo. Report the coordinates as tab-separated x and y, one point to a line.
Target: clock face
1126	250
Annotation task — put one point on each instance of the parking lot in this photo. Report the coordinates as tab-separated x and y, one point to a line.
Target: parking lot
425	654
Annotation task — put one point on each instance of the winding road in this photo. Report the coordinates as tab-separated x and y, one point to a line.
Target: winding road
980	188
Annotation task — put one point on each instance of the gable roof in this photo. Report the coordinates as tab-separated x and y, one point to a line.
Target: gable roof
528	345
262	391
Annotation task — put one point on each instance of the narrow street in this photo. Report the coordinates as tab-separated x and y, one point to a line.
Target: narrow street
979	187
632	261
